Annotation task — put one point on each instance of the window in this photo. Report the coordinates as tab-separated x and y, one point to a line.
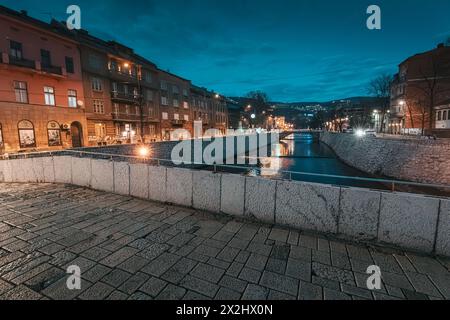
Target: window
164	101
186	117
95	61
21	90
46	60
148	76
116	108
165	116
26	134
54	134
186	105
151	112
97	84
127	109
100	130
137	110
175	90
49	95
99	106
163	85
1	136
149	95
69	65
176	103
439	116
185	92
444	116
176	116
72	94
15	50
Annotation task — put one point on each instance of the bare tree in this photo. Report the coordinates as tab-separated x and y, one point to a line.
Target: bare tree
380	87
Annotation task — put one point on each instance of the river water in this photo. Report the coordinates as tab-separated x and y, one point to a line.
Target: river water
303	153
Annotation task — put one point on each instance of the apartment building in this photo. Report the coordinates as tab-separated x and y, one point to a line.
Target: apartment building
420	94
65	88
41	93
209	110
175	110
121	90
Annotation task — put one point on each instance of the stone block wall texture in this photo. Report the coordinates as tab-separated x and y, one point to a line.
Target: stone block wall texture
102	175
206	191
122	178
81	171
232	200
157	183
400	219
307	206
260	198
425	161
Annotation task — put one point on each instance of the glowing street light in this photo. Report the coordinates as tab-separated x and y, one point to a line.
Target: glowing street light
144	152
253	116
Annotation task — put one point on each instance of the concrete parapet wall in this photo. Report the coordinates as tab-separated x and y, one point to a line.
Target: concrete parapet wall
403	220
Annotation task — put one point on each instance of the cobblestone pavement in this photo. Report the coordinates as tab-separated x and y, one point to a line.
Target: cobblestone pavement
133	249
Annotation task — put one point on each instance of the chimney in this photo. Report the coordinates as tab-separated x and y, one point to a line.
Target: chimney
440	45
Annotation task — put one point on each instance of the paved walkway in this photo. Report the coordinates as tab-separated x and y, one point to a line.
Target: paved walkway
133	249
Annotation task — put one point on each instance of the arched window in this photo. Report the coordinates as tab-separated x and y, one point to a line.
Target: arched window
26	134
54	134
1	136
444	116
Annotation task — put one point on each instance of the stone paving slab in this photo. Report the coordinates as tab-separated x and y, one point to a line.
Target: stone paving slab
140	250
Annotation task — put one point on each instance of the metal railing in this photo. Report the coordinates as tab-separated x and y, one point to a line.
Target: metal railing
384	184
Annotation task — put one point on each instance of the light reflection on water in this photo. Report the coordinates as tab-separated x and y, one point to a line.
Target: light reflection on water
302	153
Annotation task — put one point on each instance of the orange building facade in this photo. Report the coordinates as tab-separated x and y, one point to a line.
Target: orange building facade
41	92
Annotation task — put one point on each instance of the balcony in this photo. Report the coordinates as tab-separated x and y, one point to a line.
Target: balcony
178	123
125	97
126	117
24	63
123	76
52	69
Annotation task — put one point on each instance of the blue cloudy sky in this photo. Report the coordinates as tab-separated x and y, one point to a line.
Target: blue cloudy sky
295	50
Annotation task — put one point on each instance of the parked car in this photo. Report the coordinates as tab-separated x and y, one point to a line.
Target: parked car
371	132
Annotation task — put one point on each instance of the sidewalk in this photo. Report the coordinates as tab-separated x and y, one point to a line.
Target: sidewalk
133	249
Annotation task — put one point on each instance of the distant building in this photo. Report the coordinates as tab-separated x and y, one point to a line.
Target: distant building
420	94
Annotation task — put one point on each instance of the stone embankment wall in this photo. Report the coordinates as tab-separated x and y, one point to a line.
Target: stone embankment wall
248	145
400	219
426	161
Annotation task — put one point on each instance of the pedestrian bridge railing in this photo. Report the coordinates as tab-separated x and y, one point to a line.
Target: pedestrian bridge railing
400	219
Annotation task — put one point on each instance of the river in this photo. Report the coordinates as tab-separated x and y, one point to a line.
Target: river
303	153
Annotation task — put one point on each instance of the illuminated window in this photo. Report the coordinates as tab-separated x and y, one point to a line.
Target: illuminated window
21	91
26	134
72	95
49	95
97	84
186	105
186	117
54	134
165	116
99	106
100	130
176	103
176	116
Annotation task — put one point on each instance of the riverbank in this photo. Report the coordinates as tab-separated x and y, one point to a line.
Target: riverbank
423	161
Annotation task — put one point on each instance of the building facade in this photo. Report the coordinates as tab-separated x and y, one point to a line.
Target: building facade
41	96
120	91
174	106
420	94
63	88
